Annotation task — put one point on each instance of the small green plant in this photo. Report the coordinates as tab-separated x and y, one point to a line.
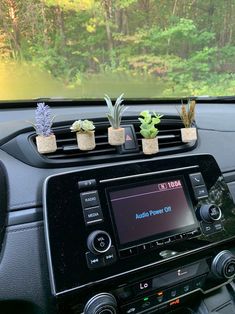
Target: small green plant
149	121
115	112
187	113
82	126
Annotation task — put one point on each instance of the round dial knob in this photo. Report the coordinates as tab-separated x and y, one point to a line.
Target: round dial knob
223	265
210	213
103	303
99	242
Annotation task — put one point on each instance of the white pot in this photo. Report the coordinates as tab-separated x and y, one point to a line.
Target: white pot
150	146
116	137
86	141
46	144
188	135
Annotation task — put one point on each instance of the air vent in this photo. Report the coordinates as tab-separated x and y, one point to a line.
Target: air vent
68	152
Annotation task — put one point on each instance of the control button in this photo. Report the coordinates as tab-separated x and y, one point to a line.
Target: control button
218	226
194	233
142	286
207	228
90	199
200	191
179	237
198	283
94	261
196	179
128	252
130	309
93	215
131	143
86	184
124	293
110	256
230	270
186	288
160	243
223	265
160	296
99	242
144	247
167	241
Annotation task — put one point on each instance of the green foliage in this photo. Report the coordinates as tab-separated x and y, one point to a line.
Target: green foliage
82	126
149	121
116	111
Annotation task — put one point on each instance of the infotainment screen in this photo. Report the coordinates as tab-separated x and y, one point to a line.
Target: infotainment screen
149	210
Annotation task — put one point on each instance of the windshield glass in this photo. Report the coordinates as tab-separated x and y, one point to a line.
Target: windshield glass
142	48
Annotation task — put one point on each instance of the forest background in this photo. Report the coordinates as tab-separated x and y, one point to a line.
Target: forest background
144	48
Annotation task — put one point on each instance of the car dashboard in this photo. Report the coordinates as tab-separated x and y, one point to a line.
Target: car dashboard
113	230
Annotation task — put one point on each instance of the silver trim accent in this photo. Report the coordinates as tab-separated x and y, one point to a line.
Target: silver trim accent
215	261
147	174
220	215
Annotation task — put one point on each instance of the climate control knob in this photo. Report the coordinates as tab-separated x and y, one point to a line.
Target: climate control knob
223	265
99	242
209	213
103	303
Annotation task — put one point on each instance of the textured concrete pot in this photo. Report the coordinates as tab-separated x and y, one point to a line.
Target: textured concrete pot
86	141
188	135
150	146
46	144
116	136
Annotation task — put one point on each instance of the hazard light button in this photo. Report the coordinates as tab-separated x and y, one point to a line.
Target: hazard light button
131	143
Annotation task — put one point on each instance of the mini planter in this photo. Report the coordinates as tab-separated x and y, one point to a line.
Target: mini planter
150	146
46	144
116	136
188	135
86	141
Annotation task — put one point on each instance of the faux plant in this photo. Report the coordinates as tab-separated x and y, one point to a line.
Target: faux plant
43	120
187	113
85	134
149	121
45	140
82	126
115	111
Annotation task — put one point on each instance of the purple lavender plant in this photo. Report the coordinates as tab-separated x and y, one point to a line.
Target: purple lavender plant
43	120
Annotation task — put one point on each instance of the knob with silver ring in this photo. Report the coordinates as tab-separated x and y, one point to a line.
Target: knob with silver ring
223	265
103	303
210	213
99	242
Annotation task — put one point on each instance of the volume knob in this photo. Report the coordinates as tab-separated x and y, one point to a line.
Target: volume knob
103	303
210	213
99	241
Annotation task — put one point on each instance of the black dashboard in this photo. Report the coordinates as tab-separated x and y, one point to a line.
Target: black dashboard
66	248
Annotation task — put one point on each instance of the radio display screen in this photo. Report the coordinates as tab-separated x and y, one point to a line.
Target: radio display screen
149	210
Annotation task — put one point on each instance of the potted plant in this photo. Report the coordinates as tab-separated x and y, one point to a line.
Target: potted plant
149	131
45	139
116	134
85	134
187	114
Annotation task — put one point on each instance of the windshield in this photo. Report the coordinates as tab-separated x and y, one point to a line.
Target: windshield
142	48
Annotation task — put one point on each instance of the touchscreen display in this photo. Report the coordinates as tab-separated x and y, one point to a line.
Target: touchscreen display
148	210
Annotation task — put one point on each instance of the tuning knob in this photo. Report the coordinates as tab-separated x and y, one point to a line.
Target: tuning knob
209	213
103	303
99	242
223	265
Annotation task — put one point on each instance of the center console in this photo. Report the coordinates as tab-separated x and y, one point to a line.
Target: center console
138	237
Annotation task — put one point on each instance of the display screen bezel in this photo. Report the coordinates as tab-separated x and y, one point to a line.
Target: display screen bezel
156	236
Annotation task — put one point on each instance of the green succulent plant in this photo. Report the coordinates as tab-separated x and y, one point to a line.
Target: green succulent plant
82	126
148	122
115	111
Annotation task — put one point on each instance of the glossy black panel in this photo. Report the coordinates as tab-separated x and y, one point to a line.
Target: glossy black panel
67	232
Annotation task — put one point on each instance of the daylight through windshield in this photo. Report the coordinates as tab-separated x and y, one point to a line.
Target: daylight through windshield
144	49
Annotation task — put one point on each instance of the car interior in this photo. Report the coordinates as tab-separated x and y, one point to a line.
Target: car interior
117	157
